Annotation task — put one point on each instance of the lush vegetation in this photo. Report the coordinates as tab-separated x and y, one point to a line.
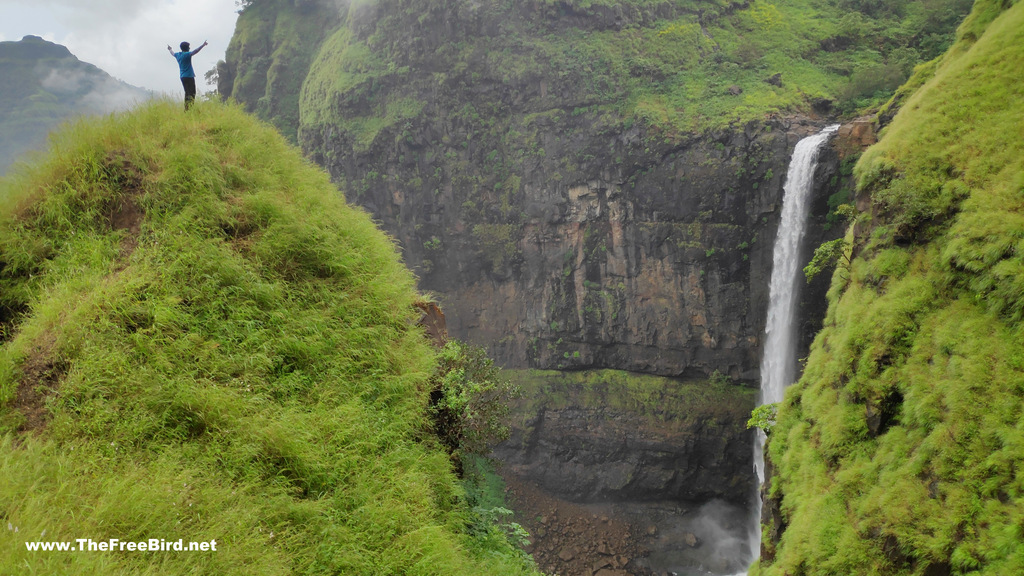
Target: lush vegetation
269	55
201	340
680	65
652	397
469	402
900	449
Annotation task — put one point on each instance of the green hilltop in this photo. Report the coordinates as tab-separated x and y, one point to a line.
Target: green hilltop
202	341
900	449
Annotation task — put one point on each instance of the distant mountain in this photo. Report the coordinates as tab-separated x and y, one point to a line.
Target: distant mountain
42	84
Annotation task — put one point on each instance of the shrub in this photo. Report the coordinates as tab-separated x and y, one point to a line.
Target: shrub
468	401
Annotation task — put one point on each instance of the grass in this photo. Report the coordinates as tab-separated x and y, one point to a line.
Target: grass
201	340
898	452
669	64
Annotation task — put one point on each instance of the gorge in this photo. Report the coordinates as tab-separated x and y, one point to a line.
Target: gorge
585	187
217	327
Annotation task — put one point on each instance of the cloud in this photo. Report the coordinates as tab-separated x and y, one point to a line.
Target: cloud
93	94
128	38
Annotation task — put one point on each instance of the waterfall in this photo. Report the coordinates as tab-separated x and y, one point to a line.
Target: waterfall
778	364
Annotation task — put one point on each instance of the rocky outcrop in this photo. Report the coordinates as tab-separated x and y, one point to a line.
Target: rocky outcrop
610	436
649	260
554	229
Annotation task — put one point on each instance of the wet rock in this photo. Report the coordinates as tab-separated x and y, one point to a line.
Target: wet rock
822	105
774	79
652	530
566	555
691	540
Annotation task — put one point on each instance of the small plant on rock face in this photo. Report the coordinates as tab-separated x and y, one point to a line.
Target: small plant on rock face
832	254
763	417
433	244
719	379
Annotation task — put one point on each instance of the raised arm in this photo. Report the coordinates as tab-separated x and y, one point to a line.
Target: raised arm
171	50
201	46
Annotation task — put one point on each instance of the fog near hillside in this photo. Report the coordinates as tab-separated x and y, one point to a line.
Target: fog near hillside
49	86
92	94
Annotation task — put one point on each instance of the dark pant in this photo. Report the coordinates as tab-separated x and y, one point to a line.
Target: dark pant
190	91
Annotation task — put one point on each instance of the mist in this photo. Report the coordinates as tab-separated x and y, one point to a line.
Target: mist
52	86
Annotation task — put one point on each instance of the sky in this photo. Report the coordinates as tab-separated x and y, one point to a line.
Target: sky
128	38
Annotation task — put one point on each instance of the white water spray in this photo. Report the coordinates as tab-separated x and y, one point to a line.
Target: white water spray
778	364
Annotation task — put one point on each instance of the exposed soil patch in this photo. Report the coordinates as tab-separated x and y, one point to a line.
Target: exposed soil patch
125	212
41	375
127	216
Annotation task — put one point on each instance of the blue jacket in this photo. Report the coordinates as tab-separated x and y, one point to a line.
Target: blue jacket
185	63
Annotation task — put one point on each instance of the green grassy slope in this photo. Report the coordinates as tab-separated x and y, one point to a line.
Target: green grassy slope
900	450
667	63
670	64
201	340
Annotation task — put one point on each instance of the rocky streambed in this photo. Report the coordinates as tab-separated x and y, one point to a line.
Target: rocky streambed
616	473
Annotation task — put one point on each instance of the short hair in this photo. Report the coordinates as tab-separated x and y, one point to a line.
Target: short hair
184	46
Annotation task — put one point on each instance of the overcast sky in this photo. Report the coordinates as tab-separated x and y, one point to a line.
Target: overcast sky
128	38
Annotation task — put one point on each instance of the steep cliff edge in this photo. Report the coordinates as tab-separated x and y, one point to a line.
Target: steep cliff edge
598	436
642	473
585	184
900	450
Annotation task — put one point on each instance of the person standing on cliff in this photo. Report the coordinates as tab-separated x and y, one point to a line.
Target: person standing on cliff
188	75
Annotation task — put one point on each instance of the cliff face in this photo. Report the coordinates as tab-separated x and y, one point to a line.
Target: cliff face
656	263
557	229
600	436
900	449
585	184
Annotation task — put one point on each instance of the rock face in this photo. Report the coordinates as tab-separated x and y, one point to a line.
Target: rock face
604	436
653	261
553	229
592	451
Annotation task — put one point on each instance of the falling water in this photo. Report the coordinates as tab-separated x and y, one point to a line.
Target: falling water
778	365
